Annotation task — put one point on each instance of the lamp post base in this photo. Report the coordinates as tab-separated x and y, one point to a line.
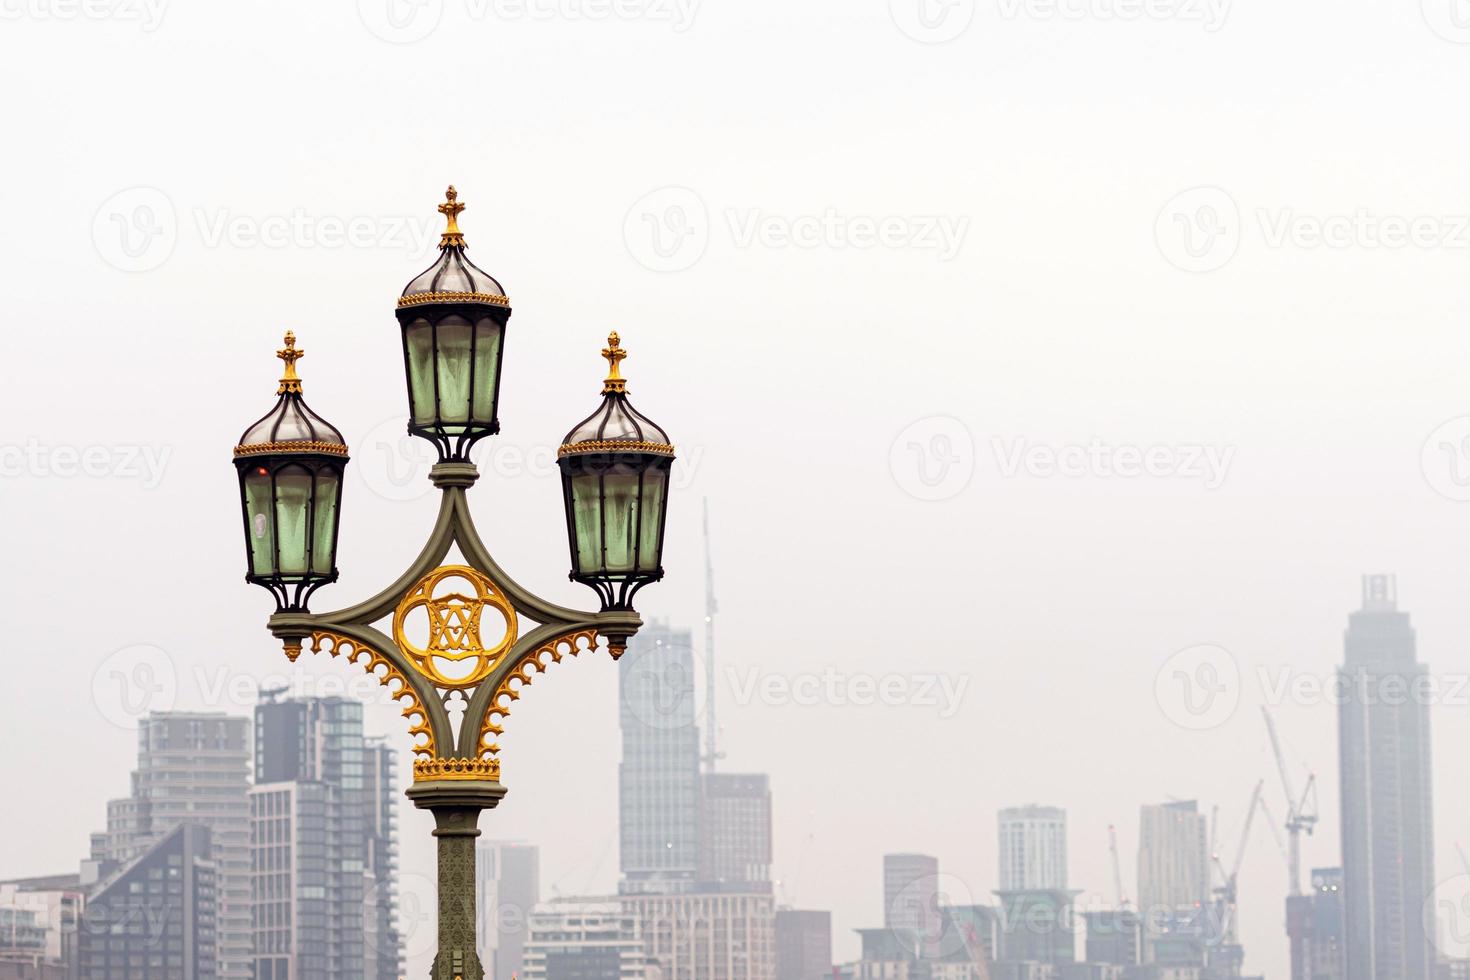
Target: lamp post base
456	805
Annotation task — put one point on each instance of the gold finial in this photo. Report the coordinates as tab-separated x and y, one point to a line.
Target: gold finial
615	383
451	209
290	354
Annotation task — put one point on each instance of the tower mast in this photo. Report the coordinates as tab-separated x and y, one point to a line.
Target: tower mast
711	606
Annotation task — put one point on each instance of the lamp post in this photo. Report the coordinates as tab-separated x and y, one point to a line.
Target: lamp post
466	632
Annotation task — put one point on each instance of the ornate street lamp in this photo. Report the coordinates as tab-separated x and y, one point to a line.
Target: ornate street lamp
465	633
453	318
615	480
291	464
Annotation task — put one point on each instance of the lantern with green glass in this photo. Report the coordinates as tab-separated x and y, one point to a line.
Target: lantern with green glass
615	468
453	318
291	464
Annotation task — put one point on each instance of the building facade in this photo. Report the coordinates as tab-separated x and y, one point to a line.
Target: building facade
1387	796
911	894
735	828
1314	925
508	883
594	939
154	917
658	779
1173	866
1033	849
194	767
317	850
803	944
708	935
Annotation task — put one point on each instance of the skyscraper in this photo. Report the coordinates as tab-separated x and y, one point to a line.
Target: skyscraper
316	851
1314	923
1033	849
585	940
195	767
735	827
1387	830
803	944
508	879
1173	868
658	778
911	894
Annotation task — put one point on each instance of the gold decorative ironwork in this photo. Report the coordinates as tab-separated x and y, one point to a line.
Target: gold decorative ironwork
431	770
454	626
451	209
418	299
615	384
292	446
614	446
290	354
370	660
527	667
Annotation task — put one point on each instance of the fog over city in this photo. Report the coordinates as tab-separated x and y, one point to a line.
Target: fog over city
1053	374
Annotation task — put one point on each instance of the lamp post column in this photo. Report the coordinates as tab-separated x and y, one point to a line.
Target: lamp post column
456	807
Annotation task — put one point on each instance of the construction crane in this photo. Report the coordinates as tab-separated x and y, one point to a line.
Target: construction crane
712	754
1301	811
1118	894
1226	893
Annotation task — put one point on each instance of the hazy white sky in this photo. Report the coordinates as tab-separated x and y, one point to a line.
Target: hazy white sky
848	246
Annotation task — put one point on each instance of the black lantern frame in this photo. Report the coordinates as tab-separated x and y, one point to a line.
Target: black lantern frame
615	581
320	475
431	333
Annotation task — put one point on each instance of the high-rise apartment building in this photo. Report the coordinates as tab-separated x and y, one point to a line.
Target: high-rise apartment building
508	883
1387	797
1033	849
154	917
594	939
712	934
1173	857
735	828
323	895
195	767
658	778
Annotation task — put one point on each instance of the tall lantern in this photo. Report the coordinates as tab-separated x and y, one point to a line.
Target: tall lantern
291	464
453	318
615	468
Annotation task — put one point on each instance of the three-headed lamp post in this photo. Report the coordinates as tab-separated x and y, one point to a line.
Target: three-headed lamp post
444	633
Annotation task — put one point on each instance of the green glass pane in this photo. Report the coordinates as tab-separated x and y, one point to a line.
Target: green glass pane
419	338
587	521
260	523
487	357
453	364
324	531
293	500
655	489
620	519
